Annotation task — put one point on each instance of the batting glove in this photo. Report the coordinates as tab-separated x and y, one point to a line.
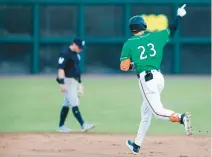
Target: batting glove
132	66
181	11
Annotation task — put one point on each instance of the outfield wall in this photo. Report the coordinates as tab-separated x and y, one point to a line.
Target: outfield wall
31	40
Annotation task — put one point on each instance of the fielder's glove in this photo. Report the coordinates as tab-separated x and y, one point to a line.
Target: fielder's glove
80	90
181	11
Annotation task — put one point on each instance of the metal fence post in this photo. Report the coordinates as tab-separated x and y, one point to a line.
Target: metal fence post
81	31
127	9
35	55
177	46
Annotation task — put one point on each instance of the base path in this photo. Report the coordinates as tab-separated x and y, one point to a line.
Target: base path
100	145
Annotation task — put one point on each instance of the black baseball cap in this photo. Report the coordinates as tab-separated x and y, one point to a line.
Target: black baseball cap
79	42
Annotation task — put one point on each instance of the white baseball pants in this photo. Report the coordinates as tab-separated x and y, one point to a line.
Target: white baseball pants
150	91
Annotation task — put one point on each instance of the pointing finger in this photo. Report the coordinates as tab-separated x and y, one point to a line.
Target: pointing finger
184	5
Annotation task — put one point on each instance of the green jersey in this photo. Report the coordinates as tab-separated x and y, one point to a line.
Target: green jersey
146	50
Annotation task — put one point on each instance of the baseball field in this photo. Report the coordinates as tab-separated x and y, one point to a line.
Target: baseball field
30	109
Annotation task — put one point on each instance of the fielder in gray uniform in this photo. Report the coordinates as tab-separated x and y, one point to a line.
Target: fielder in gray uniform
69	78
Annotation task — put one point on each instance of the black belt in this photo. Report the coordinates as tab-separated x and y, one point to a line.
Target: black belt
148	71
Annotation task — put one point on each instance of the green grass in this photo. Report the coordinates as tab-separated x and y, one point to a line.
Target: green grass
32	104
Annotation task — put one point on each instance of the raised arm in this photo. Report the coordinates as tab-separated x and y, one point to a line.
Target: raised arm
174	26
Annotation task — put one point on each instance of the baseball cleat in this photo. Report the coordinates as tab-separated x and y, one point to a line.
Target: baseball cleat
133	147
64	129
186	121
87	126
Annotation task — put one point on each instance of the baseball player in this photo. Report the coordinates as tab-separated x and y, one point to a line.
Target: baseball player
69	78
144	52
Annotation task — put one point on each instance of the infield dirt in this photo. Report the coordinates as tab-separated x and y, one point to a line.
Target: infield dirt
100	145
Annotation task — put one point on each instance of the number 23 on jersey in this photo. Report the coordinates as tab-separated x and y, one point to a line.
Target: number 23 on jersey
143	55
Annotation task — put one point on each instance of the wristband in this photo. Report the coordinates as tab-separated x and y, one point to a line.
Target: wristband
60	80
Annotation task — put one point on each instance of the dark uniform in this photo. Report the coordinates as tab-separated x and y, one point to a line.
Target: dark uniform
69	61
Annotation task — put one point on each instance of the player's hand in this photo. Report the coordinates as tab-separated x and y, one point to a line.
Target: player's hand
63	88
80	90
125	65
181	11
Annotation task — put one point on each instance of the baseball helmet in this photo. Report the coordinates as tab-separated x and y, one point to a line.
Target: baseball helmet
137	23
